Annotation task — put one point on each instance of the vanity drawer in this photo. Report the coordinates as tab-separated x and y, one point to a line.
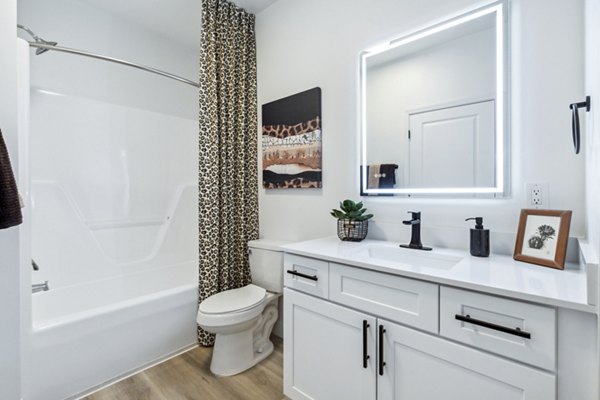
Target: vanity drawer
404	300
522	331
306	275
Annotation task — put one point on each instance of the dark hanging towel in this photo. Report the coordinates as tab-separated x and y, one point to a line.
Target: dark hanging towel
10	206
387	174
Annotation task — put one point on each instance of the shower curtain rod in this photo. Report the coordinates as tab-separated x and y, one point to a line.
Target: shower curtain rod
112	59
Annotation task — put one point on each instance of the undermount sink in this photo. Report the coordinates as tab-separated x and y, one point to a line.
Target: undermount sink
408	257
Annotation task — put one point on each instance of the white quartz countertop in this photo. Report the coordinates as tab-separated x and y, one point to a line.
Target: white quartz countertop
496	274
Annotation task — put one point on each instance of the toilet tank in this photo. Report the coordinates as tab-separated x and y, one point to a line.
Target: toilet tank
266	264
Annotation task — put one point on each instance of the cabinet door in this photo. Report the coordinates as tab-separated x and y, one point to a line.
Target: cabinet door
324	350
425	367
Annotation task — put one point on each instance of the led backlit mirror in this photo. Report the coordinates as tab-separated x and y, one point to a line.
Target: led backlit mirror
433	109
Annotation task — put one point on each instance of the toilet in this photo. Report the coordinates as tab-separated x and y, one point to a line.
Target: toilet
243	318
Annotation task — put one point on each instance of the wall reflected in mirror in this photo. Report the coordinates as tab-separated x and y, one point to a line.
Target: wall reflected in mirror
432	105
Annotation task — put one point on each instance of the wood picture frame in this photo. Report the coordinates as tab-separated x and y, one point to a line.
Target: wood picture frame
542	237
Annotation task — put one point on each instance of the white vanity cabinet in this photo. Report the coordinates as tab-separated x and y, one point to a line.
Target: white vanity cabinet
329	350
373	335
421	366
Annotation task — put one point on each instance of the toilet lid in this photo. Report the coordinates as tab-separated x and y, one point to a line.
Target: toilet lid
233	300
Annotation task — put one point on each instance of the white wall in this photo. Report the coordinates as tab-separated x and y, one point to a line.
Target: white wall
302	44
82	26
591	141
10	358
591	144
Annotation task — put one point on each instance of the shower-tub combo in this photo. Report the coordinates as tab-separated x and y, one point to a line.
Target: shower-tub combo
113	220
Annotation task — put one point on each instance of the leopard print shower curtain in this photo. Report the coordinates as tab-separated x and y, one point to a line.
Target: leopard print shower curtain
228	172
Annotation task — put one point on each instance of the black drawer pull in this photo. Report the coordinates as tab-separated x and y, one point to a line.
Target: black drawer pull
365	350
381	362
301	275
512	331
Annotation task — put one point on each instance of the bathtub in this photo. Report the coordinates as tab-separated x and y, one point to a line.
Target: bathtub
123	294
113	203
89	335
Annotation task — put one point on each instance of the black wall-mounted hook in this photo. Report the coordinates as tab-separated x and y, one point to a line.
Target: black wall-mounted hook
575	121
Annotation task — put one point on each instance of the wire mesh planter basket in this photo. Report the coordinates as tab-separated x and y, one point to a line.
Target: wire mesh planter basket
352	231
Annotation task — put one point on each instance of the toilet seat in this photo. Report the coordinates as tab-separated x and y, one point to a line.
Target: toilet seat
233	300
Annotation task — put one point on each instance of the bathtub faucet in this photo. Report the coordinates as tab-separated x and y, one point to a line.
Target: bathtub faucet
40	287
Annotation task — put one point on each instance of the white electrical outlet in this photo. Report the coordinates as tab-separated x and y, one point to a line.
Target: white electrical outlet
537	195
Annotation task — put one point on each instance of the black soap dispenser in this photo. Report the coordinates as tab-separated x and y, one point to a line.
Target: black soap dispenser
480	239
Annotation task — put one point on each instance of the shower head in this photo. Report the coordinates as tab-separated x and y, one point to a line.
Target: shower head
37	39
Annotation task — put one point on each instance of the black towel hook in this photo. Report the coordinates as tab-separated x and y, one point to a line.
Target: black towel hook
575	120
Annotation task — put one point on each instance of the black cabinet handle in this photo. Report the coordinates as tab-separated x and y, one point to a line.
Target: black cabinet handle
301	275
575	121
365	350
381	362
512	331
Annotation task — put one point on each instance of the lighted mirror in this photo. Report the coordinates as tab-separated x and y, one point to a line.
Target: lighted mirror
433	109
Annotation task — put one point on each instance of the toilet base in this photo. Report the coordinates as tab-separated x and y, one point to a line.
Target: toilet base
236	352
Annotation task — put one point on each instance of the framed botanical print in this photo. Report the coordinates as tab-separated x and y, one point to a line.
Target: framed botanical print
542	237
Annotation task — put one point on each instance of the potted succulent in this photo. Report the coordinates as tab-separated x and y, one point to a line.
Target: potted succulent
353	223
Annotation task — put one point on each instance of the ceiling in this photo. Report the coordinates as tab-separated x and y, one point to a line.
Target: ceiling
177	20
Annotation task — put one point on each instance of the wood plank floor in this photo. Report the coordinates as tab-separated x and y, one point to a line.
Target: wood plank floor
187	377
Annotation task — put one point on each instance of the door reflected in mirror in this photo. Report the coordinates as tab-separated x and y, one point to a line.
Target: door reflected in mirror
433	109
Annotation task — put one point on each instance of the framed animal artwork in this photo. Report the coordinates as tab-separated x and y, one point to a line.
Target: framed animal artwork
291	141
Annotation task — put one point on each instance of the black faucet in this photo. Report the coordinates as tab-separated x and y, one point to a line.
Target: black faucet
415	240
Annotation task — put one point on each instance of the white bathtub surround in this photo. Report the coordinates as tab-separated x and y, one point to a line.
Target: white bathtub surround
228	174
116	183
117	326
115	235
114	203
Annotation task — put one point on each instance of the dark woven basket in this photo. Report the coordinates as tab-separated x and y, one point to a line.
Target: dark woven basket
352	231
